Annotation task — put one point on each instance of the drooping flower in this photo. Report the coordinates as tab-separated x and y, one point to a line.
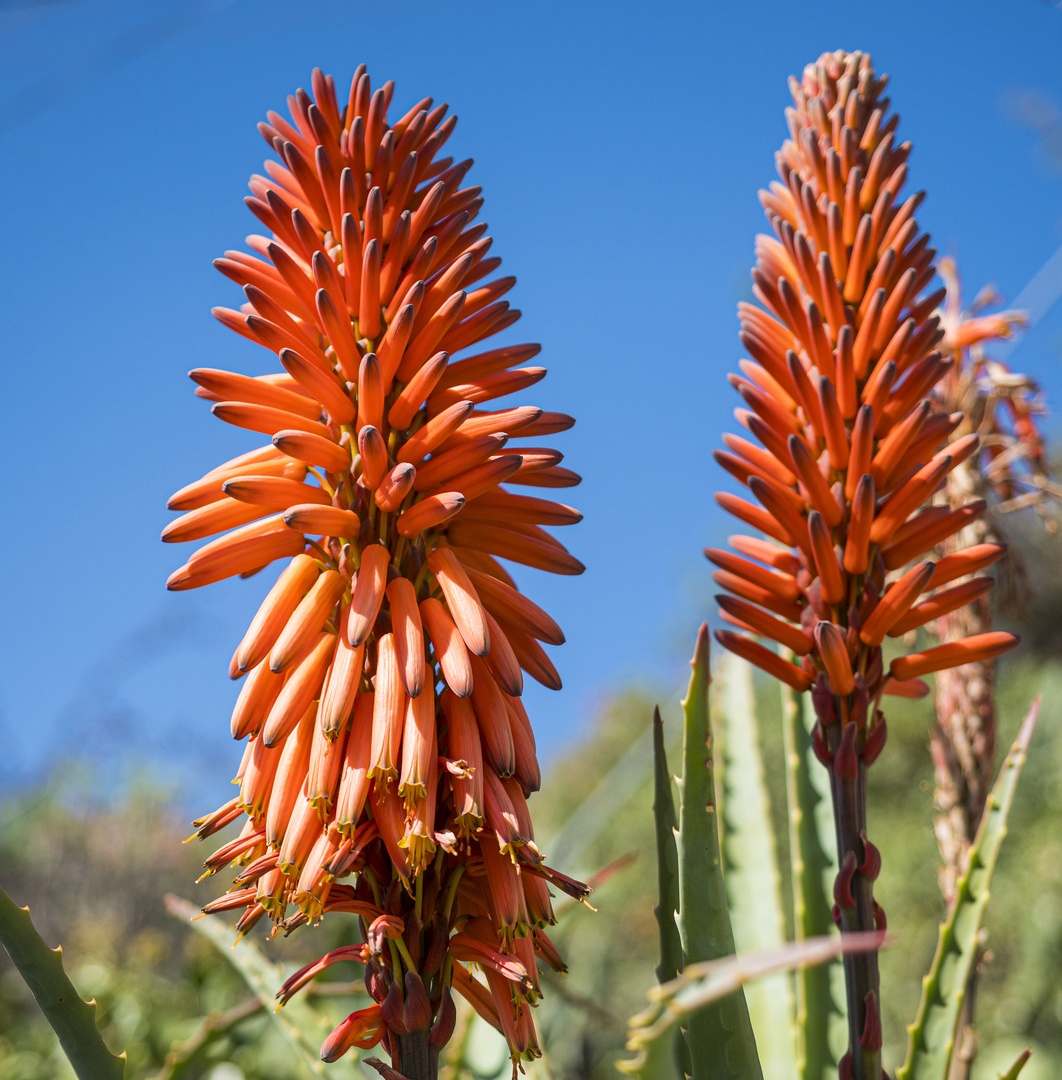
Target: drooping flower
848	447
386	741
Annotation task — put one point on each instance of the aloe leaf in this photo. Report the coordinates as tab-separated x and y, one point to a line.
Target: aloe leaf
650	1033
302	1026
72	1019
720	1038
931	1038
666	910
753	884
813	864
1012	1072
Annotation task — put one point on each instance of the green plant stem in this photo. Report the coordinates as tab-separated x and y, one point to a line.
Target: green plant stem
213	1028
861	976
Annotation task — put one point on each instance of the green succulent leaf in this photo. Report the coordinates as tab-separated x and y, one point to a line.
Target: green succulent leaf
650	1033
753	883
666	859
719	1035
813	864
931	1038
1012	1072
72	1019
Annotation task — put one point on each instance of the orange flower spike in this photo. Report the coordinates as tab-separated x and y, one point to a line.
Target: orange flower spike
861	450
259	691
856	551
430	512
343	682
302	686
289	777
926	530
835	433
354	781
374	273
307	621
488	704
389	709
461	599
450	649
418	745
368	592
898	599
941	603
373	451
763	658
830	643
313	450
394	487
416	391
847	397
276	610
370	393
965	651
966	562
908	498
309	518
818	491
829	572
760	622
408	634
842	287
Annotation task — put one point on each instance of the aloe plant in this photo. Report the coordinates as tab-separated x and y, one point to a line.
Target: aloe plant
931	1038
72	1019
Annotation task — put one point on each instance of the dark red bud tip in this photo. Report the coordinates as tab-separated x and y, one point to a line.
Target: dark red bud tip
860	701
842	884
875	740
845	761
391	1010
416	1013
818	744
836	913
880	922
871	1037
844	1067
438	941
822	701
385	1070
871	859
443	1028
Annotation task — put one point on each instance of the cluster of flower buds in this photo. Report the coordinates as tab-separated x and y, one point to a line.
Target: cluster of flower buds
382	676
999	404
847	450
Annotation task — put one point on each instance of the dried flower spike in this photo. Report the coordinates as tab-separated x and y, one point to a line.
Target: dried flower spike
387	742
839	394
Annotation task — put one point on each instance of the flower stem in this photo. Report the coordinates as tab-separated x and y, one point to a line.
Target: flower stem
417	1059
855	907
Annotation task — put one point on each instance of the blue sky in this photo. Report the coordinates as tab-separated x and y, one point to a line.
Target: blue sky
620	147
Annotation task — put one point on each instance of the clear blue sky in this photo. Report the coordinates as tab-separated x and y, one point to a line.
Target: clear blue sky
620	147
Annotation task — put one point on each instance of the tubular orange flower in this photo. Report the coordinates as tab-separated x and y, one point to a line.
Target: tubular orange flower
853	445
383	670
